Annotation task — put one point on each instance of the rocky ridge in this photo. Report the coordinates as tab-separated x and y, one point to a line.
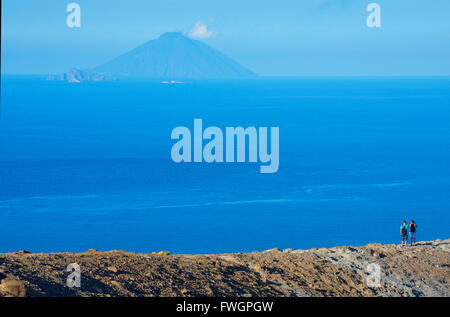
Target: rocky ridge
421	270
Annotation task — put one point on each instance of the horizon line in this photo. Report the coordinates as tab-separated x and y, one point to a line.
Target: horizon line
252	78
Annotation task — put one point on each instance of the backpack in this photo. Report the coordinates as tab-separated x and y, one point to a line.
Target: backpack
404	232
413	228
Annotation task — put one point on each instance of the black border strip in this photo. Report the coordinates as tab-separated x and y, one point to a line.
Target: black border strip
281	306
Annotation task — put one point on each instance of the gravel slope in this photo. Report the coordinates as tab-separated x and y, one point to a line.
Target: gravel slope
421	270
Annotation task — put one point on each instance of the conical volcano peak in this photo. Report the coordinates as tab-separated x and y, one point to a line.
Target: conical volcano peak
174	55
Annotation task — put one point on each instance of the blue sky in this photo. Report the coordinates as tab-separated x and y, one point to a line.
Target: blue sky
273	38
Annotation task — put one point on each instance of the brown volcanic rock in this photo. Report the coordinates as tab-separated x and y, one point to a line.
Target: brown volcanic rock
422	270
12	288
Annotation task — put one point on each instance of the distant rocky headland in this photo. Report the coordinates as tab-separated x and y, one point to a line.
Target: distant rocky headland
421	270
170	57
78	76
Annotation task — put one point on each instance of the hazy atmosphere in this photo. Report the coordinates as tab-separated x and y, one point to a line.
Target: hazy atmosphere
274	38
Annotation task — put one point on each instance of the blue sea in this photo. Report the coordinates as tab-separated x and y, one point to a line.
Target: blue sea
88	165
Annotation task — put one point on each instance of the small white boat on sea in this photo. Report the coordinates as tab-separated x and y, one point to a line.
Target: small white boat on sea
172	82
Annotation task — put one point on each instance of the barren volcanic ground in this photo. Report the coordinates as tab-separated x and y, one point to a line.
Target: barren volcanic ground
421	270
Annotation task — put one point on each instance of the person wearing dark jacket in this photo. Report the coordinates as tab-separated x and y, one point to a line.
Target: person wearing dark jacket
412	231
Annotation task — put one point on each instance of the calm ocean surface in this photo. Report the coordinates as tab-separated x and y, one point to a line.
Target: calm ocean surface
88	165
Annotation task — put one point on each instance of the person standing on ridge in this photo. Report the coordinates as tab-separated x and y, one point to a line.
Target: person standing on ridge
404	233
412	231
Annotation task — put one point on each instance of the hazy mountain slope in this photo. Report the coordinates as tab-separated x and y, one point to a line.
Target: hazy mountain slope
174	56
